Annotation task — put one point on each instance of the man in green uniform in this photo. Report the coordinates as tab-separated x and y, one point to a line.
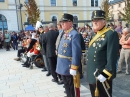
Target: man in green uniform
102	55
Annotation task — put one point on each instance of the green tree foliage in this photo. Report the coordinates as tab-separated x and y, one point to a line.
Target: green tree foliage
33	11
106	7
126	12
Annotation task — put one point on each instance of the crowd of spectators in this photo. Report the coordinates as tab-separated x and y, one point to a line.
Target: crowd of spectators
13	39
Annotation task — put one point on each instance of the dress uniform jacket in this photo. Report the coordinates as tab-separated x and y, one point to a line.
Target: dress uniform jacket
103	54
69	52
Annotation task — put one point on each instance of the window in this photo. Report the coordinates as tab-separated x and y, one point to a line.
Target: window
3	23
112	7
54	18
112	17
119	5
53	2
119	16
74	2
75	21
94	2
2	0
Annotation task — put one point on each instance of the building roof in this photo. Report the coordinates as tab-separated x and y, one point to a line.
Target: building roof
116	1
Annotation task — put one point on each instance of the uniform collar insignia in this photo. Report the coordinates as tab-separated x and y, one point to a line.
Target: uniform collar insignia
69	30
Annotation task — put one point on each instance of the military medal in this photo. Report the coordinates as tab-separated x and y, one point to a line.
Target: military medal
65	36
103	36
64	51
69	37
103	39
99	45
65	45
94	44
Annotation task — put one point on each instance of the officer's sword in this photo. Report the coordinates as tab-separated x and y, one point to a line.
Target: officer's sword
102	83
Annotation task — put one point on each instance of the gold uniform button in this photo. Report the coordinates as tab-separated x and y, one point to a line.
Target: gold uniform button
96	47
94	56
94	60
95	51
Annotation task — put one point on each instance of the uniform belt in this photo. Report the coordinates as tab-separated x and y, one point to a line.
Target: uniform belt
62	56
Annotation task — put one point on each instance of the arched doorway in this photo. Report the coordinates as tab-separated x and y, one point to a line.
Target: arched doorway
3	23
54	18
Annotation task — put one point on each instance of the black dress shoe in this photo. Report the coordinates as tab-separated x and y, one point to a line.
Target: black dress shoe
65	92
24	65
60	82
43	70
48	74
54	80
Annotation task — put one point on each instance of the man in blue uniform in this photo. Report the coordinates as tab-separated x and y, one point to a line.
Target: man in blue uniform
102	55
69	54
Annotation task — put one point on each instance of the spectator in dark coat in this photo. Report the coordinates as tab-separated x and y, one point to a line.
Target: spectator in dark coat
14	39
49	47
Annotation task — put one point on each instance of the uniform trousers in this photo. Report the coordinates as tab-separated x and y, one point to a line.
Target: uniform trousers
46	63
102	92
52	63
124	56
69	85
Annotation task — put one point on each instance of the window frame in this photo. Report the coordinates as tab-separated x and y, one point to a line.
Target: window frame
75	1
112	17
94	2
54	18
3	22
119	16
53	3
119	5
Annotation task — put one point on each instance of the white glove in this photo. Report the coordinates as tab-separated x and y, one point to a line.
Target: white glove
101	78
72	72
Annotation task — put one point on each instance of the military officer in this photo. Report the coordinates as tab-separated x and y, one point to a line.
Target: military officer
102	55
69	54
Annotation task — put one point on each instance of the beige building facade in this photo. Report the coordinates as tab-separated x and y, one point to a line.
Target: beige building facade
50	10
116	7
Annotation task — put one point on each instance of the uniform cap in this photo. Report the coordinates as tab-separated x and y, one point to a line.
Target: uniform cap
98	14
66	17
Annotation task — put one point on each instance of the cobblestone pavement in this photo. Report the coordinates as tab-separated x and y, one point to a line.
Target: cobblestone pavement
17	81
